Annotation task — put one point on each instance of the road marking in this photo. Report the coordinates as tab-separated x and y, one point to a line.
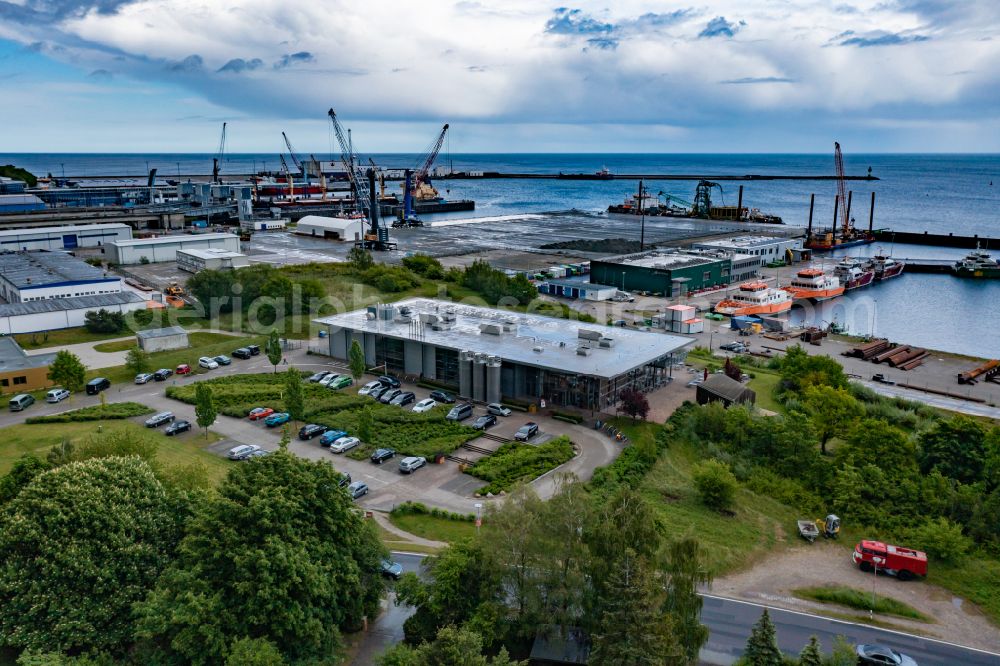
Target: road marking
853	624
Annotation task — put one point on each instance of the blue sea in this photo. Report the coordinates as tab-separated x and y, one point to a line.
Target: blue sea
937	193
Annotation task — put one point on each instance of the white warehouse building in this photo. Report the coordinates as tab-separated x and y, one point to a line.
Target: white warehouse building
55	313
164	248
39	275
766	248
333	228
213	259
67	237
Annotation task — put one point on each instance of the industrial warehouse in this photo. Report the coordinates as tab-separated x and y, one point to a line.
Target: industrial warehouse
164	248
663	272
67	237
37	275
490	354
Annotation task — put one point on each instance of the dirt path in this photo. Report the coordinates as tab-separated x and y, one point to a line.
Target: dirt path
773	580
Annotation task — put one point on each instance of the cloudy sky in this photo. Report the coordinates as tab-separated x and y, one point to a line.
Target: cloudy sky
508	75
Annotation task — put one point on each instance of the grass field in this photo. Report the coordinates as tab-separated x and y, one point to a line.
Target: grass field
860	600
764	384
62	337
431	527
219	344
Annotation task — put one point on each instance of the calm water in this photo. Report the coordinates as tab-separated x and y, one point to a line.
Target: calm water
957	194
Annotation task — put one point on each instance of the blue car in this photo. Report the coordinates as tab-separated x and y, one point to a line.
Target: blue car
331	436
277	419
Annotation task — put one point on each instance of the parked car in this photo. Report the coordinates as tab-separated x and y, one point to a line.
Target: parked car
393	570
411	464
497	409
342	381
311	430
315	377
425	405
882	655
208	363
882	379
345	480
183	369
460	412
344	444
222	359
56	395
379	456
143	377
259	413
695	382
162	374
21	401
156	420
331	436
277	419
357	489
442	397
387	397
242	451
484	422
389	380
526	432
403	399
177	427
736	347
254	350
329	379
242	353
378	391
98	384
259	453
369	387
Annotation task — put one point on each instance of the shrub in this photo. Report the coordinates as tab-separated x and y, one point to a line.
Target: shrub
114	410
421	264
941	539
390	278
567	417
515	462
104	321
716	484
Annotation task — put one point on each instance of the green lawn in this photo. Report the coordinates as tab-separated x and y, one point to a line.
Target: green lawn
860	600
764	384
393	541
63	336
431	527
171	359
115	346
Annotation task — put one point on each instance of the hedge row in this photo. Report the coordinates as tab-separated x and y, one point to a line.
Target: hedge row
515	462
114	410
421	509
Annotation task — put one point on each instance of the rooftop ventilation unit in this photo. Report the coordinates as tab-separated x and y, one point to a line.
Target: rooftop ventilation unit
607	343
491	329
537	350
583	351
587	334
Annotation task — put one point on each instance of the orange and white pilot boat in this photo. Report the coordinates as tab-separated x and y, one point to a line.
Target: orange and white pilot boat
814	284
755	298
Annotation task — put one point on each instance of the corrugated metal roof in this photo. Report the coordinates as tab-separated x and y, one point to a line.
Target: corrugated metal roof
40	267
174	238
75	303
66	229
160	332
12	357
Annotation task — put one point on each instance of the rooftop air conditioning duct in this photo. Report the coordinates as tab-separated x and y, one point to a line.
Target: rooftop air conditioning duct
587	334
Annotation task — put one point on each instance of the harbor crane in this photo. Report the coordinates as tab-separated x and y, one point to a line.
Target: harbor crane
703	198
845	221
377	237
219	154
422	188
288	175
295	158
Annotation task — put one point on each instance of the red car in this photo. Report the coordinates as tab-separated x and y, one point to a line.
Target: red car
183	369
258	413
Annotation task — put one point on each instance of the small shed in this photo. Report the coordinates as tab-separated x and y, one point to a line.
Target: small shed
333	228
163	339
720	388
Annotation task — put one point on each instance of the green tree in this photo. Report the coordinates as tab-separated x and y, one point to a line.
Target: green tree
104	321
956	447
21	473
941	539
685	573
762	646
811	655
832	411
272	349
360	258
876	442
294	399
716	485
137	360
81	544
68	371
279	553
286	437
800	370
366	423
204	406
357	360
254	652
453	646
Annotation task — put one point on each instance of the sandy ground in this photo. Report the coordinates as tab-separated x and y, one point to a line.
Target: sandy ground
773	579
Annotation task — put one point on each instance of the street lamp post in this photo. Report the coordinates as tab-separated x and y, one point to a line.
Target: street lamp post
876	561
479	516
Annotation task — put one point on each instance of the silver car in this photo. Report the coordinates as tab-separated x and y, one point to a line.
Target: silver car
344	444
357	489
411	464
242	452
143	377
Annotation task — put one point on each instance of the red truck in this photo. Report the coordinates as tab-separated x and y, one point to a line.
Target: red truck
904	563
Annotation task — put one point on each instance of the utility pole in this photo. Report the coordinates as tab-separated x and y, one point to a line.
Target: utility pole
642	220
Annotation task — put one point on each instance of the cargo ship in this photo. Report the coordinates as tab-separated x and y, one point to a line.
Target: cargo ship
755	298
815	285
853	274
977	264
886	267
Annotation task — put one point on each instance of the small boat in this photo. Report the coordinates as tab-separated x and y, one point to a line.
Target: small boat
814	284
977	264
886	267
755	298
854	274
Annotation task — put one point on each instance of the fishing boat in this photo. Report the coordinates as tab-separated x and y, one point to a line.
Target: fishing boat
815	285
886	267
755	298
853	274
977	264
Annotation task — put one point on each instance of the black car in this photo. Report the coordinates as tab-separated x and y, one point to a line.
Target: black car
389	395
98	384
254	350
526	432
443	397
392	569
162	374
242	353
484	422
389	380
381	455
177	427
311	430
404	398
156	420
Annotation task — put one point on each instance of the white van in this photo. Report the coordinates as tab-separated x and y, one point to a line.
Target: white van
21	401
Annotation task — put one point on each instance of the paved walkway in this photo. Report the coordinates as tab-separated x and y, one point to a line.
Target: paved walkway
383	520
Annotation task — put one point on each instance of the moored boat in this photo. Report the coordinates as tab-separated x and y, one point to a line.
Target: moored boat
814	284
886	267
853	274
977	264
755	298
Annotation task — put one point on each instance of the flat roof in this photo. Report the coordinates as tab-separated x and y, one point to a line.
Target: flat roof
165	332
741	242
175	238
580	284
330	222
69	228
12	357
662	259
74	303
211	253
35	268
535	340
